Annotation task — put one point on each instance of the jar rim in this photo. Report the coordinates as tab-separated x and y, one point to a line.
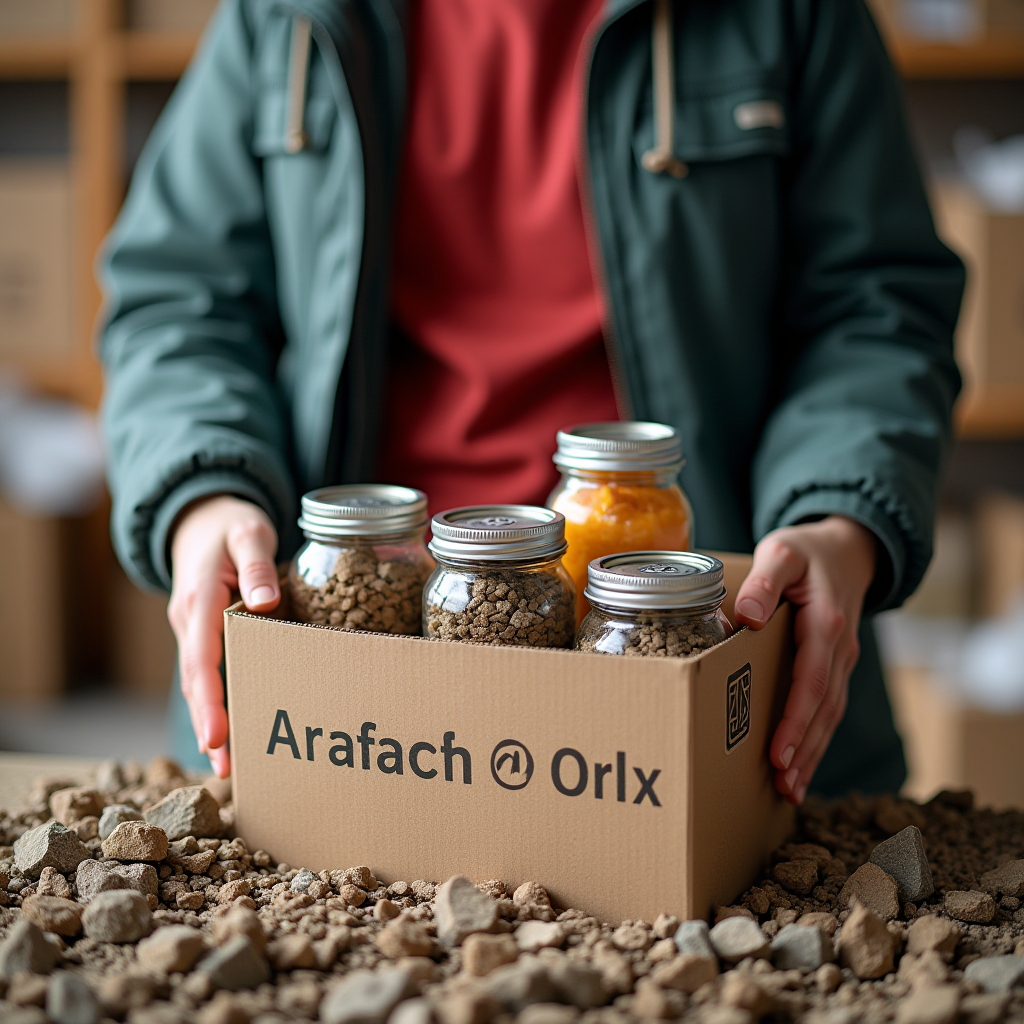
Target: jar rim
656	581
498	533
632	445
362	510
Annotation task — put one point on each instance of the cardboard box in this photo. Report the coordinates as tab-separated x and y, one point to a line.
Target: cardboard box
1000	533
626	786
990	334
169	15
953	745
947	589
37	17
35	261
143	649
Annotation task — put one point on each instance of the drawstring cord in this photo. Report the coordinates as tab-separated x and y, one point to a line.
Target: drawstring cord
295	135
660	159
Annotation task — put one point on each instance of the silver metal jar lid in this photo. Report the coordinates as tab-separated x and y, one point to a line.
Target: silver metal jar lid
498	533
362	510
621	447
646	580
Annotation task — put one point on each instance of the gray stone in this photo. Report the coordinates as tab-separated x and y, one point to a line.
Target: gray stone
113	815
903	857
1007	880
69	1000
692	937
302	881
520	984
49	845
26	948
800	947
96	876
577	983
996	973
122	915
736	938
236	965
189	811
24	1015
365	997
460	909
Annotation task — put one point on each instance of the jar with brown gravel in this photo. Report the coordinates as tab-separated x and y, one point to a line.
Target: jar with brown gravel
365	559
654	604
499	578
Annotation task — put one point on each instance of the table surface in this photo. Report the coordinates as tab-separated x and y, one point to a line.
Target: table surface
18	773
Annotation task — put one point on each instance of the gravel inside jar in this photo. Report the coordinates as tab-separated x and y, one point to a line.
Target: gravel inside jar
653	637
506	607
362	592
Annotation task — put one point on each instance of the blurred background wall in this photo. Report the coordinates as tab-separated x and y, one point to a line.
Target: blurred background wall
85	659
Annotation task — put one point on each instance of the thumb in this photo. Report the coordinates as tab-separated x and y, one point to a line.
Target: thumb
252	547
777	565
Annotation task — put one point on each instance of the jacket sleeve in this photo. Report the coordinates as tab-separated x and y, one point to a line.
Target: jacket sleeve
862	425
191	327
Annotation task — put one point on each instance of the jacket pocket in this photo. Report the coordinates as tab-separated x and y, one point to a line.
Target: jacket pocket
725	120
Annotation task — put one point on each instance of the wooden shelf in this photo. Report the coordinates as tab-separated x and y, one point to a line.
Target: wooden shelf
36	57
989	57
157	56
991	414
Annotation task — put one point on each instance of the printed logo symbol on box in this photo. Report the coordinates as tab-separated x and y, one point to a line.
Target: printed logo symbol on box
511	765
737	708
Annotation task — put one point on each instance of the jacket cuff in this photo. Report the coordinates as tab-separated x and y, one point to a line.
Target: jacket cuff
892	554
202	485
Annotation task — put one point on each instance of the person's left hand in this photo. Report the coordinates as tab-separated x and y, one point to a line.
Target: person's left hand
824	569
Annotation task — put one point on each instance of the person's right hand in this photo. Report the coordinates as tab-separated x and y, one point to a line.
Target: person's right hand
220	545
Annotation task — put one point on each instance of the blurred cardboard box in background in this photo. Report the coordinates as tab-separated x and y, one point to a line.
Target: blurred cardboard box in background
143	649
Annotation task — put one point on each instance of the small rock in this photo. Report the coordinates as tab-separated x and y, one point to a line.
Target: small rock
189	811
239	920
531	936
874	889
821	919
125	991
171	950
798	876
220	789
108	775
632	938
547	1013
651	1002
745	993
224	1008
903	858
1007	880
520	984
236	965
867	946
923	969
162	771
301	882
27	990
122	915
971	906
939	1004
465	1006
86	828
365	997
94	877
692	937
665	926
687	972
577	983
113	815
405	937
412	1011
231	891
136	841
52	883
461	909
69	1000
801	948
616	970
828	978
49	845
71	805
663	949
531	894
292	951
482	953
721	913
738	938
932	933
996	973
384	911
53	914
984	1007
26	949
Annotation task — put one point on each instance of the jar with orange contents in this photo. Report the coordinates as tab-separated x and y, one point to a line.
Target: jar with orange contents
619	492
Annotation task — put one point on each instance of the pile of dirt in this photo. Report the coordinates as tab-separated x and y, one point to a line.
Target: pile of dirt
128	900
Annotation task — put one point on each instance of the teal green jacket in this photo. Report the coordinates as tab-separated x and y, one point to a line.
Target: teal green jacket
785	304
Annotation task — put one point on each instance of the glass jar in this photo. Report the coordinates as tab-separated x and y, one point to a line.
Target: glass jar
365	559
499	578
619	492
654	604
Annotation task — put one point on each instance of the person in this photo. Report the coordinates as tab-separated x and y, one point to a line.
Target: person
408	242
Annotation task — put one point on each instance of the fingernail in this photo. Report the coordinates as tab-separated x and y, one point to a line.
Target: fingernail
800	794
750	608
787	756
790	778
262	595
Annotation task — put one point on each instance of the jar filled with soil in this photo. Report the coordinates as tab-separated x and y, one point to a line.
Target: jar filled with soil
654	604
619	491
499	578
365	559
